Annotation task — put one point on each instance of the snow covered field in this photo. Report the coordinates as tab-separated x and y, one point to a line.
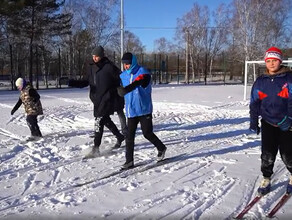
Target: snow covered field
213	175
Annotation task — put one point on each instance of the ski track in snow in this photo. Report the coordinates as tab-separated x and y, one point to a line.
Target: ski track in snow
41	174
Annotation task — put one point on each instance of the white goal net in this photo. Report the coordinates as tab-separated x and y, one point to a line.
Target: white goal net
253	69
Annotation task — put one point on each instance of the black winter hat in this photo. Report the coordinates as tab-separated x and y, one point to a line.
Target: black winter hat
98	51
127	58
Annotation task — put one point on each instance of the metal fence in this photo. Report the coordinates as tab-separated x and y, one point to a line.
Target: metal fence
165	68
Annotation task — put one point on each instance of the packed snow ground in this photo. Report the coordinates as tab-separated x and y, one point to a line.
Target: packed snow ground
213	175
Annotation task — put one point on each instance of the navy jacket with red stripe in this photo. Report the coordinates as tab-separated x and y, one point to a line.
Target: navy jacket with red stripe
271	97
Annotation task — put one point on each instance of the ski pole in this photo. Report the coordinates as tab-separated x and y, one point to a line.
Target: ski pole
10	120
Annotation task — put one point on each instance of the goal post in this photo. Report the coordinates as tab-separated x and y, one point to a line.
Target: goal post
248	69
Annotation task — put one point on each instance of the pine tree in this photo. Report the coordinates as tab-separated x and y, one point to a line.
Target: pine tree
36	20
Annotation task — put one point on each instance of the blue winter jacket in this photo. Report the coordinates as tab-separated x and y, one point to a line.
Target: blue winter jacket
138	102
271	97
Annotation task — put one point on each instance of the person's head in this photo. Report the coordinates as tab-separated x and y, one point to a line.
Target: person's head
127	60
273	59
20	83
97	54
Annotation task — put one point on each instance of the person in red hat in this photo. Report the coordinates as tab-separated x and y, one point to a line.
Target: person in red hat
271	99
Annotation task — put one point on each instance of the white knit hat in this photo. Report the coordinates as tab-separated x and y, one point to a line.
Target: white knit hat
20	82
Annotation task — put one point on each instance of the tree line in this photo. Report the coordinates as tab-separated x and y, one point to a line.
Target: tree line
47	39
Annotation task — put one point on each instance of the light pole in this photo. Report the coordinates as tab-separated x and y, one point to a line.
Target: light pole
122	31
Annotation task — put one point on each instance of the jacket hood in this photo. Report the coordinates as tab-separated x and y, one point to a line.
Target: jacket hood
134	64
283	69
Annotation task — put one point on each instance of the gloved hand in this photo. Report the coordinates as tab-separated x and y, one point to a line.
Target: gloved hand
285	124
121	91
254	125
13	111
255	129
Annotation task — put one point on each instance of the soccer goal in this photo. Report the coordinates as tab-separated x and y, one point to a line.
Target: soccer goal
253	69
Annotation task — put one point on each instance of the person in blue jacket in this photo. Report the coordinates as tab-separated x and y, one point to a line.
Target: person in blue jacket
136	89
271	98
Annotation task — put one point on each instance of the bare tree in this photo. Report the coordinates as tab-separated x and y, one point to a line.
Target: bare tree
258	24
132	43
98	17
192	28
94	23
218	35
162	45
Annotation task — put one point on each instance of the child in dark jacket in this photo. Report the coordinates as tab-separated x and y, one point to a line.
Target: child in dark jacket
30	98
271	98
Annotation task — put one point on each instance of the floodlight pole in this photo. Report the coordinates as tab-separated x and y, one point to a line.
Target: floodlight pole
122	31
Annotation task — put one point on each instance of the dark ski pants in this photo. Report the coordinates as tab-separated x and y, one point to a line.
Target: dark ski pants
32	123
274	139
147	130
123	122
100	122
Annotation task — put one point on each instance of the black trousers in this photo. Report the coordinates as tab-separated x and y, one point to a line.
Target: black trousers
123	122
147	130
32	123
274	139
100	122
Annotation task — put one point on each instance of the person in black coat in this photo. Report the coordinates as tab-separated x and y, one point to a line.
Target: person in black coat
103	80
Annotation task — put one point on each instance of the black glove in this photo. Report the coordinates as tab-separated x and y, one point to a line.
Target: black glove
254	125
122	91
13	111
255	128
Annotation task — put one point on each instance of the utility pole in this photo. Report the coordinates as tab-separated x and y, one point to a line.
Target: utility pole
122	32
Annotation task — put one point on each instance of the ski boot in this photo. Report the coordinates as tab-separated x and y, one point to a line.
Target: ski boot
128	165
119	142
265	186
93	153
161	154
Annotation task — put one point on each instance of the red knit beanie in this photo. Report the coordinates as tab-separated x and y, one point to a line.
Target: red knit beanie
273	53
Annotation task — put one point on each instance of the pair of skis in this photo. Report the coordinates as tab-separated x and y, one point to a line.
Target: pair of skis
271	214
141	167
